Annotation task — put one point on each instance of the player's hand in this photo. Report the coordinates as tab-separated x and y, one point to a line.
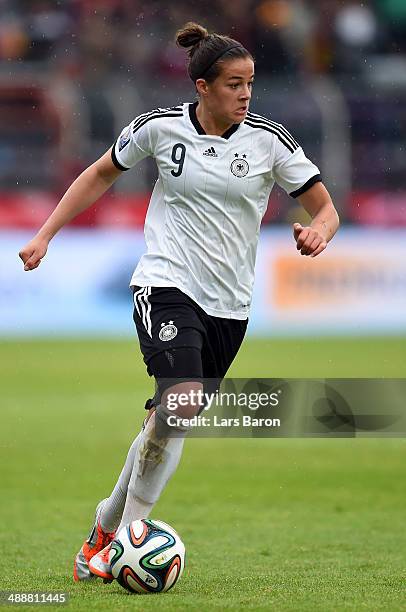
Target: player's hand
308	240
33	252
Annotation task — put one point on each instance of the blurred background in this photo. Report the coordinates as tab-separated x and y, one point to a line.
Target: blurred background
74	72
330	512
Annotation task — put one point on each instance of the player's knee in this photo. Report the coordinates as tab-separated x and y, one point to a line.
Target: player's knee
185	399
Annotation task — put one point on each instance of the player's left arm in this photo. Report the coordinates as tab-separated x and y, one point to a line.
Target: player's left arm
313	239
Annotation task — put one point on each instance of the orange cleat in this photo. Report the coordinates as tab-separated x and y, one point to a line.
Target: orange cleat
97	541
99	564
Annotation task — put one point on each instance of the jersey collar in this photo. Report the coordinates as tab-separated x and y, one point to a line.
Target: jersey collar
200	130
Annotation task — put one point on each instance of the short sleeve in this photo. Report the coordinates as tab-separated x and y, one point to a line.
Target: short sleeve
132	145
292	170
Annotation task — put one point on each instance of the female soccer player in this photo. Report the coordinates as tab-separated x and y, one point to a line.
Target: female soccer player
217	164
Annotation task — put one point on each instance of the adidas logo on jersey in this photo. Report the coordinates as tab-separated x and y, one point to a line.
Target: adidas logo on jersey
210	152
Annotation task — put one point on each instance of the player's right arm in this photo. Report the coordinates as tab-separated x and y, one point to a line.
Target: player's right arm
84	191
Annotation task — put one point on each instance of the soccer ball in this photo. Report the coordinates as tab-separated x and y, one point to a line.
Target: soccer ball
147	556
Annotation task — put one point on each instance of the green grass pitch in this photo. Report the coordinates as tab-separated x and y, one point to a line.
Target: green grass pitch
283	524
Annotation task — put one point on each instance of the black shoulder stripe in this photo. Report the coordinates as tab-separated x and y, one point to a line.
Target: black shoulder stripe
267	120
277	126
163	116
285	131
140	117
157	113
115	160
268	128
159	110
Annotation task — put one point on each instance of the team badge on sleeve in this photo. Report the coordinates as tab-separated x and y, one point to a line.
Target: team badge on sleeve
124	138
239	166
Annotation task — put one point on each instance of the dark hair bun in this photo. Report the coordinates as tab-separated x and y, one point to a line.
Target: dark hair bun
190	35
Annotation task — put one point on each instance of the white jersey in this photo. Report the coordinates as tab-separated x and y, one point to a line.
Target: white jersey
204	216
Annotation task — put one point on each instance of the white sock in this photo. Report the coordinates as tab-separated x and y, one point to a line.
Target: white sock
113	507
156	459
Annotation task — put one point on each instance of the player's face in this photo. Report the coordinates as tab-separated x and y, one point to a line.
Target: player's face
230	93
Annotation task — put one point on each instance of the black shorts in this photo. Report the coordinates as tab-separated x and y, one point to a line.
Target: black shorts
178	339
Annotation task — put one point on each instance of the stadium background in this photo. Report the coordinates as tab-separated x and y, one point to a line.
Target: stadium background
72	74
